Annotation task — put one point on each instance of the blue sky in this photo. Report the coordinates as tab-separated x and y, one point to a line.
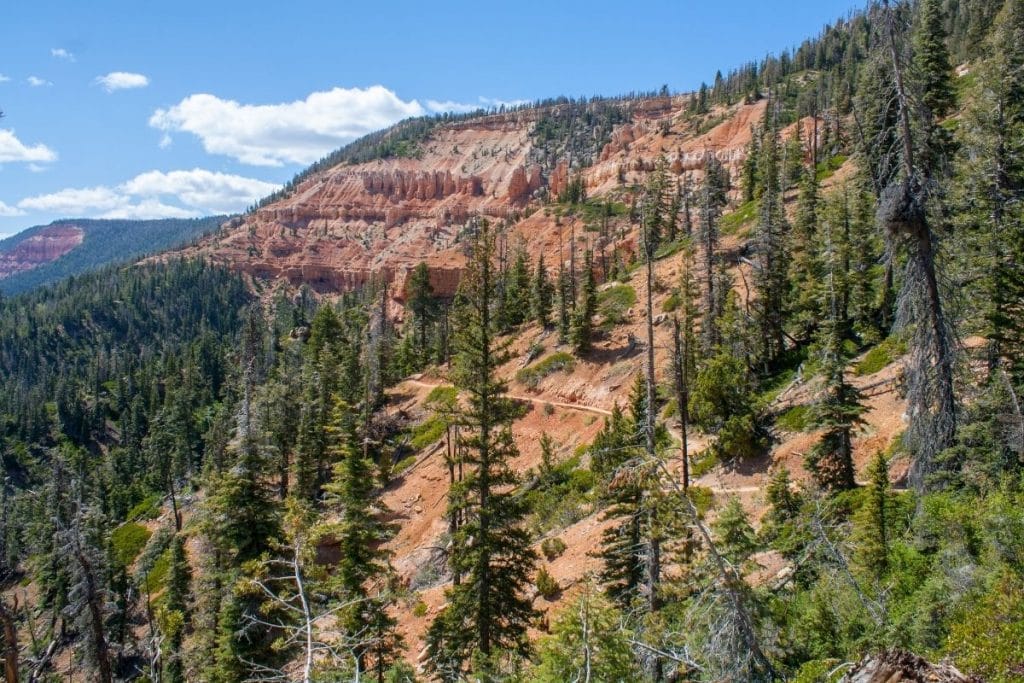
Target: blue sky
187	108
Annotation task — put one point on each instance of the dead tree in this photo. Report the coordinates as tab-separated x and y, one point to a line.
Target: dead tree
903	210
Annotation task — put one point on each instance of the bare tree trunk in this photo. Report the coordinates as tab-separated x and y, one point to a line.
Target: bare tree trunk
92	603
10	643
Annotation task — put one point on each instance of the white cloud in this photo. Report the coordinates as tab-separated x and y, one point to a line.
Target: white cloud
61	53
122	80
155	194
450	106
466	107
4	79
298	132
37	82
7	211
13	149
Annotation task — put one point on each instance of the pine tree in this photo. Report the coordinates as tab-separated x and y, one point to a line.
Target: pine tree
733	534
542	294
872	523
582	329
840	408
421	301
772	228
711	202
518	288
991	173
175	613
804	270
487	614
362	574
931	59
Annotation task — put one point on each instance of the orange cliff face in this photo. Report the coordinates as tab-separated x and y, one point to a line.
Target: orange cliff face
353	223
45	246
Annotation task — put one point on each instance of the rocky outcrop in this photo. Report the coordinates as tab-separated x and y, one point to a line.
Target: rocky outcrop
344	226
43	247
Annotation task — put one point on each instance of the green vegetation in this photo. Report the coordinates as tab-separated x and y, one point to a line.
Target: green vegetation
742	217
105	242
532	375
614	302
127	541
795	419
880	356
827	168
427	432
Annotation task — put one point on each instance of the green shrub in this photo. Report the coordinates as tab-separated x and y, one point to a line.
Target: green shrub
127	542
796	419
880	356
147	508
156	578
403	464
427	432
552	548
614	302
532	375
827	168
743	215
546	584
672	302
420	609
442	394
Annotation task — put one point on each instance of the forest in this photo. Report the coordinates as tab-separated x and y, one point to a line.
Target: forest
193	467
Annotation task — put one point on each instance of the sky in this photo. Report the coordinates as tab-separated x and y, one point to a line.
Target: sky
151	110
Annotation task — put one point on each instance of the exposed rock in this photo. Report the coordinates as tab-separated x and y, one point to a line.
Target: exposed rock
44	247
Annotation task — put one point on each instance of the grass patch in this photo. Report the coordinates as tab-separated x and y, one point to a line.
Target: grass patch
796	419
147	508
744	214
404	464
561	497
671	248
703	498
127	541
827	168
427	432
532	375
614	302
442	394
156	579
880	356
703	463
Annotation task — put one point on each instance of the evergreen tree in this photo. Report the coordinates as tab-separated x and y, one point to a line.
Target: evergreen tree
872	521
991	202
519	288
487	615
582	329
772	228
542	294
931	59
363	573
712	199
421	301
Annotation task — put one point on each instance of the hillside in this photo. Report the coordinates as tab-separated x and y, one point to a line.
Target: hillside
47	253
712	387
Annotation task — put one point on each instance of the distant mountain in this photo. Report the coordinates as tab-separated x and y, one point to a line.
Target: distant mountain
47	253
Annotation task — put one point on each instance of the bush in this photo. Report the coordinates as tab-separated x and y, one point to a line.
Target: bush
614	302
796	419
427	432
546	585
552	548
880	356
127	541
403	464
532	375
419	610
442	395
147	508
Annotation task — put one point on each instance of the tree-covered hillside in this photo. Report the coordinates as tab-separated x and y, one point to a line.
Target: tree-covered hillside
105	242
206	483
